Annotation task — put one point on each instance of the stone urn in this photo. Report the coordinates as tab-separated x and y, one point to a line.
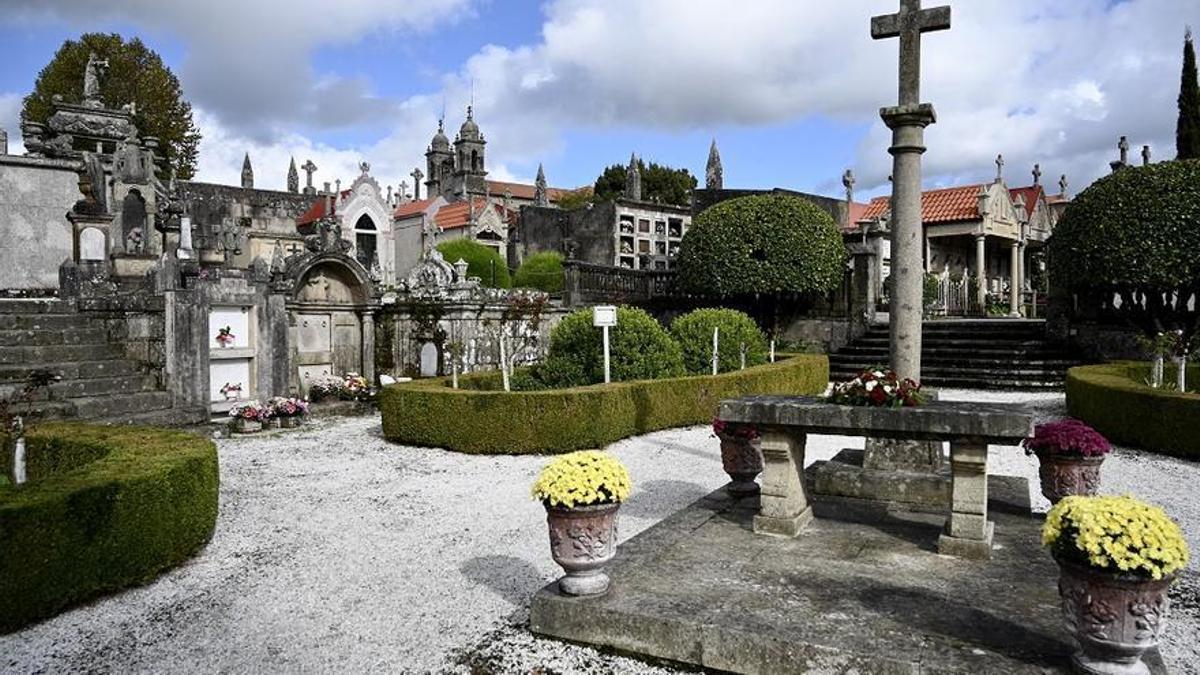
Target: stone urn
291	421
1064	475
583	539
242	425
1115	619
741	457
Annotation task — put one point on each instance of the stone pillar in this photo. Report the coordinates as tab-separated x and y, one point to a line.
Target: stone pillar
1014	280
368	346
907	123
784	507
981	272
968	532
862	290
1021	274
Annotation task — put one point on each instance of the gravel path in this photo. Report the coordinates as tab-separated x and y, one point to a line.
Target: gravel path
337	551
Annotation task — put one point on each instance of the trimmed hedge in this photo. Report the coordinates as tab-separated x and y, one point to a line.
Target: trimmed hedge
1114	398
141	501
430	413
694	331
482	261
542	271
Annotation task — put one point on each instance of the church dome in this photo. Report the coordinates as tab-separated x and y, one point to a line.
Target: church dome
469	129
440	142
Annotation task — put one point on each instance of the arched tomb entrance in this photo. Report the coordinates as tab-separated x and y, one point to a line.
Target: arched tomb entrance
331	320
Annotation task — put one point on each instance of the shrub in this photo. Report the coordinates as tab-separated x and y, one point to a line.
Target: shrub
482	261
561	420
541	271
1114	399
141	501
694	332
583	478
762	244
639	347
1135	232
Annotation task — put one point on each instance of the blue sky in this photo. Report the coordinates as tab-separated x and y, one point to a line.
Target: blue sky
790	90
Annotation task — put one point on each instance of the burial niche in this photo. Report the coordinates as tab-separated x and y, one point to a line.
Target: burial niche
133	222
365	240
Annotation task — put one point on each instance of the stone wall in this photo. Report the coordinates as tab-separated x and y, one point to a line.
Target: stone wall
35	236
590	231
272	215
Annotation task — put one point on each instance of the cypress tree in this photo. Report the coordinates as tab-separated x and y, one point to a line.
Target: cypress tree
1187	131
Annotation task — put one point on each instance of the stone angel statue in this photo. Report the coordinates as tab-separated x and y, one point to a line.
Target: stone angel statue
92	73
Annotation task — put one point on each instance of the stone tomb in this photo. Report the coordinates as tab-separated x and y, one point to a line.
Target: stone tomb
785	421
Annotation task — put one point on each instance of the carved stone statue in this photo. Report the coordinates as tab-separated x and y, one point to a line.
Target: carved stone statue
91	80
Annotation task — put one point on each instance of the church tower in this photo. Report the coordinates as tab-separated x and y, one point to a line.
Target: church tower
293	178
439	162
714	176
469	152
633	180
247	173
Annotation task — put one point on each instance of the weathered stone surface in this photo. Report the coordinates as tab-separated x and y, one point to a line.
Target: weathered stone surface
936	421
845	476
701	589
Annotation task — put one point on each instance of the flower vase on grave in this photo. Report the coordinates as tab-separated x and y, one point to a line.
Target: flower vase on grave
741	456
243	425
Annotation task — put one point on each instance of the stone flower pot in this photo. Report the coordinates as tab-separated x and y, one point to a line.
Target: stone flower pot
742	460
1114	619
583	539
241	425
1067	475
272	423
290	422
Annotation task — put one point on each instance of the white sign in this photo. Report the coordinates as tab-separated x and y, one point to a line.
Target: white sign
604	315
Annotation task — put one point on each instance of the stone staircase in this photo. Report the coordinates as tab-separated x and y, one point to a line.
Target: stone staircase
969	354
98	383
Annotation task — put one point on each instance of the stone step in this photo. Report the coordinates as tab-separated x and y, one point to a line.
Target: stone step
972	364
33	306
1045	352
112	407
52	353
72	370
76	388
38	337
35	321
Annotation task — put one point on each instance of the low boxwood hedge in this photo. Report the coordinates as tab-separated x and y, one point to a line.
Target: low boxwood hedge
1114	398
109	507
482	420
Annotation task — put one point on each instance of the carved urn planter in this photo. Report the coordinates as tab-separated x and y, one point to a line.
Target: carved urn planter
1115	619
1065	475
583	539
242	425
741	457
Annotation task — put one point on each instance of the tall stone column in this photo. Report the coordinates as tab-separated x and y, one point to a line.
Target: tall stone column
981	272
1014	281
1021	274
368	346
907	123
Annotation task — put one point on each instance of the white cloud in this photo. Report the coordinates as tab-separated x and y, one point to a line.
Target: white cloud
10	121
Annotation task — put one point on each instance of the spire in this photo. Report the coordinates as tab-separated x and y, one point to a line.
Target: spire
540	198
293	177
633	179
247	173
714	175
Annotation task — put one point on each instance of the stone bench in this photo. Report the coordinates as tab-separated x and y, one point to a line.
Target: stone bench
784	423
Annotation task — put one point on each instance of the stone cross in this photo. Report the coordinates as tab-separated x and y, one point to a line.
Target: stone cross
908	24
907	122
417	176
1145	155
389	194
1123	146
1037	174
364	167
999	168
403	196
1062	185
848	182
309	169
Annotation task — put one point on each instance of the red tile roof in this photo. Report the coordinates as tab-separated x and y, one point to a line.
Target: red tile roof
857	211
458	214
947	205
317	210
412	208
1030	195
523	190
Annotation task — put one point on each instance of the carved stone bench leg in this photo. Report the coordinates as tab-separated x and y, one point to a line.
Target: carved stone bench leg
784	509
968	532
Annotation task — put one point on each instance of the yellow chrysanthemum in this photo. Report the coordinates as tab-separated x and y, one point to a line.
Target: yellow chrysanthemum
582	478
1120	533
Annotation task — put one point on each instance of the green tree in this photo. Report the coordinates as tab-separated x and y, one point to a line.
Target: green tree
575	199
136	74
542	271
1187	130
640	350
694	333
1134	233
482	261
659	184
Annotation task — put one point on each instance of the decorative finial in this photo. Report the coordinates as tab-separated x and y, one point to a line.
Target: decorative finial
999	168
1062	186
714	174
1037	174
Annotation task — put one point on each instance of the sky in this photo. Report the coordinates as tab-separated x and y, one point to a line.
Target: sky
790	89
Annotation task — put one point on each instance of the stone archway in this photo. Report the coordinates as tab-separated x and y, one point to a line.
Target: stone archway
332	326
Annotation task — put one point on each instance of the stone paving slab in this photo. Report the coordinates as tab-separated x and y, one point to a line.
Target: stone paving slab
701	588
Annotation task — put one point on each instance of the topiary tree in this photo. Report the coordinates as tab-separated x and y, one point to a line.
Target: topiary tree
1187	128
542	271
640	350
1134	233
136	74
694	333
482	261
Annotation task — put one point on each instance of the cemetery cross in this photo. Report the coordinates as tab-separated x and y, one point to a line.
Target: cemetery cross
907	122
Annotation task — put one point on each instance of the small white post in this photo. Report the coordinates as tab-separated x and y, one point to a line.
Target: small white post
1181	375
19	469
772	350
716	345
1156	371
503	361
742	349
453	372
607	358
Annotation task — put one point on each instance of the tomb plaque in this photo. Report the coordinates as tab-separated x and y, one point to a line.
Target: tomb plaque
310	373
429	360
237	319
312	333
232	371
91	244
